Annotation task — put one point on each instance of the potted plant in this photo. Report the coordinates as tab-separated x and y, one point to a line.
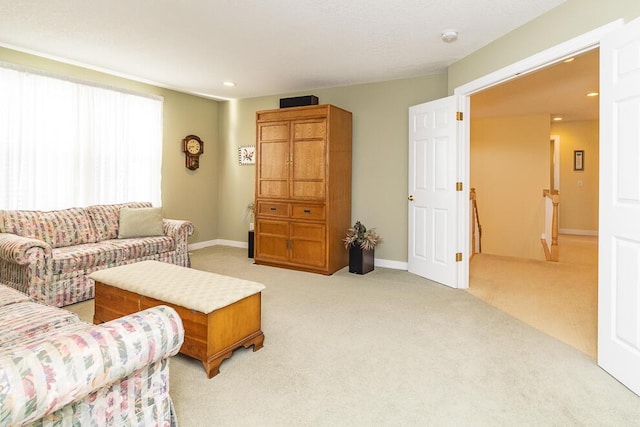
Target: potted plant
361	244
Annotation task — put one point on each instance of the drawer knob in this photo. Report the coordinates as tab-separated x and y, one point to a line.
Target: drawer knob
307	211
273	209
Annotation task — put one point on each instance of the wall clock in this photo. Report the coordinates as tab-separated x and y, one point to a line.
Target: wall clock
192	147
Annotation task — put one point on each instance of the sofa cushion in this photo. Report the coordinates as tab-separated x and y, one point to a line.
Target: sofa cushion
83	257
106	217
142	247
108	253
140	222
58	228
66	227
21	223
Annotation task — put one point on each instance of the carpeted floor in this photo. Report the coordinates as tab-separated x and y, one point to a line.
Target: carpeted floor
558	298
389	349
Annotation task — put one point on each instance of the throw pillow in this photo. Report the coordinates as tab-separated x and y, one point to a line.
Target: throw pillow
140	222
106	218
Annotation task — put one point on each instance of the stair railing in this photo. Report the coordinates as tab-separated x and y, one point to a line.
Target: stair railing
552	201
475	224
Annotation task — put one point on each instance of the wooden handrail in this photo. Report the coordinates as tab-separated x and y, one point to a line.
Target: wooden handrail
553	254
475	223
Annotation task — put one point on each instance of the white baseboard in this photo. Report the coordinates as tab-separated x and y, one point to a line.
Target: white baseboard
222	242
388	263
578	232
397	265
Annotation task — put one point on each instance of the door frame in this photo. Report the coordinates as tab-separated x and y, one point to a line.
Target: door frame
572	47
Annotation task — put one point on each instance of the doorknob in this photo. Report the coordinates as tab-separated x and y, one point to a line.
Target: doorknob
410	197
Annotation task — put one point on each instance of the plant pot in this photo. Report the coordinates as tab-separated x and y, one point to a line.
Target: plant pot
360	260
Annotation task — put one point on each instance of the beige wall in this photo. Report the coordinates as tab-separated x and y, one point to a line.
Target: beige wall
185	194
509	169
571	19
380	146
578	189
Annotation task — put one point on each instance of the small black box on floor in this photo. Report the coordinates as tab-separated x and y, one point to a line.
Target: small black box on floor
250	244
298	101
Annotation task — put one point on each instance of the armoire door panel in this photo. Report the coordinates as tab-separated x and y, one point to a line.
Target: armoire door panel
274	160
273	132
272	239
310	130
308	160
308	190
273	189
273	169
305	231
308	253
274	248
308	243
273	228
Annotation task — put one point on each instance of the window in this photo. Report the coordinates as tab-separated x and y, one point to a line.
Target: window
65	144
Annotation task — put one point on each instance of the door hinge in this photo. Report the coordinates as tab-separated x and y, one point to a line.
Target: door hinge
458	186
459	116
458	256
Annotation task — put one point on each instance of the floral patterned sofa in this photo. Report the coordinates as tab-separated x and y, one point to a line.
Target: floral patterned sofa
56	370
49	255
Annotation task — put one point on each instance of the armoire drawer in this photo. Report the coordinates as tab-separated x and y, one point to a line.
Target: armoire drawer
315	212
273	209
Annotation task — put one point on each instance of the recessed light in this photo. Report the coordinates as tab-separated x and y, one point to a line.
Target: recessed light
557	119
569	60
229	84
591	94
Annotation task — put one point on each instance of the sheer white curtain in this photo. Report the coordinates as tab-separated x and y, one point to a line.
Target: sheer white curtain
66	144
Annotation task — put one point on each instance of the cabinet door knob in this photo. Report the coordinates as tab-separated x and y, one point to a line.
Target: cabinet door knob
410	197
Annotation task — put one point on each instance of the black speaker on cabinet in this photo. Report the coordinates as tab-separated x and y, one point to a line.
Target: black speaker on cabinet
298	101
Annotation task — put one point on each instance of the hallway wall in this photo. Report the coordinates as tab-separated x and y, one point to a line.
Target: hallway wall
509	169
578	189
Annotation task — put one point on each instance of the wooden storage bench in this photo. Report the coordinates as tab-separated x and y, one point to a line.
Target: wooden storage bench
219	313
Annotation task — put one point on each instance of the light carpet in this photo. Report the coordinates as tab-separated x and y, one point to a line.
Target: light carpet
558	298
389	349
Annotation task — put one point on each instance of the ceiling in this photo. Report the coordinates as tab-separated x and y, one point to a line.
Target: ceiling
265	47
558	90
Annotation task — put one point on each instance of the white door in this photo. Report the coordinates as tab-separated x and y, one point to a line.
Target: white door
433	214
619	231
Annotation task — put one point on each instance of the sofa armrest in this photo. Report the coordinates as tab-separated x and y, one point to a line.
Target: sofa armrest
25	263
178	230
22	250
41	378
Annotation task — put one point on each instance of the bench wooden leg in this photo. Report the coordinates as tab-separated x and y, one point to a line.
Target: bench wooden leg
256	342
212	364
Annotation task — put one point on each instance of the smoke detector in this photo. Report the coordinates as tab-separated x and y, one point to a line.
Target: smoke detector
449	36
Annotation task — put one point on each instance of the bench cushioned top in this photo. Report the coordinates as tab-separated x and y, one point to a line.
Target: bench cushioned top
194	289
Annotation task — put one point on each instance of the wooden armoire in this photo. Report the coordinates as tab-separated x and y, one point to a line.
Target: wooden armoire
303	187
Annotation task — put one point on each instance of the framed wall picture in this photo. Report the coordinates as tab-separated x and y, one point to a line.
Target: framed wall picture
247	154
578	160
